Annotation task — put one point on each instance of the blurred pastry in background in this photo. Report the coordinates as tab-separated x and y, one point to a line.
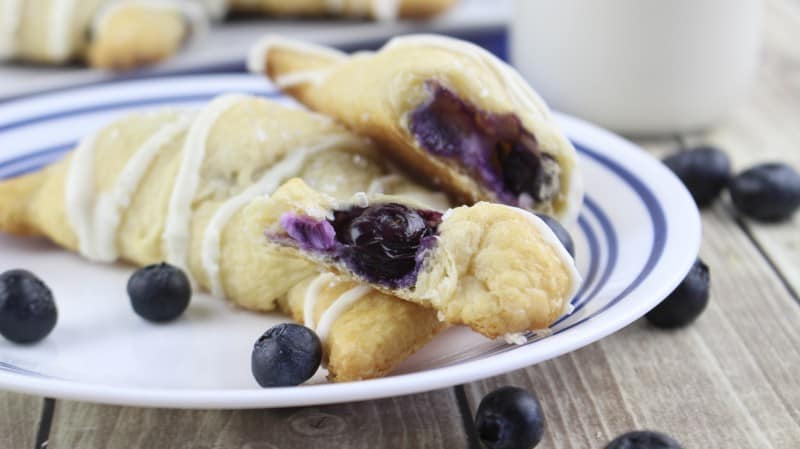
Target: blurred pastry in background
121	34
375	9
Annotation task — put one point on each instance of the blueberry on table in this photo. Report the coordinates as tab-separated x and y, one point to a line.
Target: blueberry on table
704	171
767	192
643	440
286	355
27	310
159	292
563	235
686	302
510	418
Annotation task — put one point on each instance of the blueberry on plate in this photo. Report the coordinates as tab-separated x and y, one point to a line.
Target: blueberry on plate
27	310
643	440
159	292
767	192
286	355
563	235
704	171
510	418
686	302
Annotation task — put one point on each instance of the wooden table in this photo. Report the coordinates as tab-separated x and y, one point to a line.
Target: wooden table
731	380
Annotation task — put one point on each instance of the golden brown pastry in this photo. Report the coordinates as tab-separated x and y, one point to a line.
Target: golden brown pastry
171	185
113	34
445	109
497	269
376	9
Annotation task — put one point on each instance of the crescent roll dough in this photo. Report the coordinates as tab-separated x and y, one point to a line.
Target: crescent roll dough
497	269
172	185
377	9
446	109
112	34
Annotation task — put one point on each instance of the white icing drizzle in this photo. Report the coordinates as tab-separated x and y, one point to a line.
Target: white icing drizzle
80	191
312	297
191	11
10	16
176	229
334	6
107	213
277	174
339	306
257	57
59	43
378	185
385	10
95	219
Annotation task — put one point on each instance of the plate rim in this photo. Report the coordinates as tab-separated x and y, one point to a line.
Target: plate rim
586	135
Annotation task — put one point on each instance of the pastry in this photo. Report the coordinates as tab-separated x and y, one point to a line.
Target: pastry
114	34
443	108
376	9
495	268
171	185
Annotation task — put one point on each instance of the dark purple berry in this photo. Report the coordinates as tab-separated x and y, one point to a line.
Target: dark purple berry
159	292
510	418
704	171
643	440
382	242
286	355
561	232
27	310
686	302
767	192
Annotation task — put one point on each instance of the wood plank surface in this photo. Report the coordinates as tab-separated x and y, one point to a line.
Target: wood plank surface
19	418
729	380
422	421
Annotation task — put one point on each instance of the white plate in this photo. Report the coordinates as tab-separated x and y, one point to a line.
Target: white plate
637	236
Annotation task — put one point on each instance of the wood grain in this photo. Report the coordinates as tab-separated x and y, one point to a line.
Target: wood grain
729	380
19	417
421	421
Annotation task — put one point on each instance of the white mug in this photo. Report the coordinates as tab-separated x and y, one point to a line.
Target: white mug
639	66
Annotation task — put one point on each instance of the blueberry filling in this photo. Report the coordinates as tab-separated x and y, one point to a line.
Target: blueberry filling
494	148
384	243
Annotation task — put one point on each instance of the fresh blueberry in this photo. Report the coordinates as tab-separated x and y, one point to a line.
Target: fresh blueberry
704	171
510	418
287	354
563	235
27	310
643	440
686	302
767	192
159	292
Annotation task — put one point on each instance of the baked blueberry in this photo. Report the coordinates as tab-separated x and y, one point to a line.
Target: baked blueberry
510	418
383	242
27	310
643	440
767	192
704	171
563	235
159	292
287	354
686	302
